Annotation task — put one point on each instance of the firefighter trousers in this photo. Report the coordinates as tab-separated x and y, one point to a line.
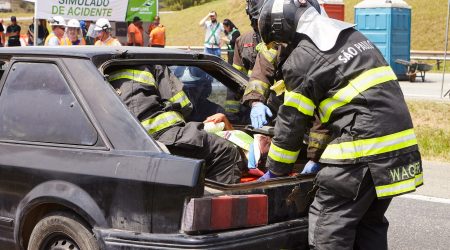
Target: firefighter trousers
223	160
347	216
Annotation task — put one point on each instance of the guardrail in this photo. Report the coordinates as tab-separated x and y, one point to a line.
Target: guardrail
417	55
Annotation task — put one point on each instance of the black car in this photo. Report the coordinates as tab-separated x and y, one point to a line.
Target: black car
78	171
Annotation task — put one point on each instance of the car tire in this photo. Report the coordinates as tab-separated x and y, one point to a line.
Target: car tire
62	231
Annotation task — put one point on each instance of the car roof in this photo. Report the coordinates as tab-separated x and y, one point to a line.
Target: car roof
91	52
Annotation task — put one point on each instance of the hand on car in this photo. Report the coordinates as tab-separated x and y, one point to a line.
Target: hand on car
311	167
218	118
258	114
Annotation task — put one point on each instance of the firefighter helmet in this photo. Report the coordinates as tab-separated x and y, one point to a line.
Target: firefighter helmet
102	24
278	18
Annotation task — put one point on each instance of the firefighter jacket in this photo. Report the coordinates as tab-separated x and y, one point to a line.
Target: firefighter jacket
358	98
154	95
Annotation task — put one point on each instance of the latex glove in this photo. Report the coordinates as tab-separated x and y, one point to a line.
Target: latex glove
311	167
268	175
251	158
258	114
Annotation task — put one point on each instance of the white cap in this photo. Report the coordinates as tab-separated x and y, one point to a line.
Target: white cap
102	24
73	23
57	21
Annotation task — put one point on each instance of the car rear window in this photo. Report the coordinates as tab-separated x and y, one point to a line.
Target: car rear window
37	105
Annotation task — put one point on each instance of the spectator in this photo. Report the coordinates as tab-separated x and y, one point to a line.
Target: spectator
2	34
89	36
212	35
74	32
136	33
58	35
152	25
42	32
232	33
102	31
158	34
13	33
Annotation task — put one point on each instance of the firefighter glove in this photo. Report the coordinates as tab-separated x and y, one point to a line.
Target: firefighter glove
258	114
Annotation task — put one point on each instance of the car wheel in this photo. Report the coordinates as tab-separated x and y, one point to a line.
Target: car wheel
62	231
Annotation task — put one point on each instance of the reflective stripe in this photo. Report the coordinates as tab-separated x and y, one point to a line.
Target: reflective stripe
162	121
368	147
400	187
240	138
356	86
249	73
282	155
299	102
240	68
180	98
232	106
269	54
135	75
258	86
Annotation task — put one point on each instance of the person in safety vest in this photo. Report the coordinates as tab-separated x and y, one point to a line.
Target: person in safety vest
373	155
213	30
58	35
156	97
102	32
74	33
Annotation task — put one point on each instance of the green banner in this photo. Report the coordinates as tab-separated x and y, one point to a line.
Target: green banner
145	9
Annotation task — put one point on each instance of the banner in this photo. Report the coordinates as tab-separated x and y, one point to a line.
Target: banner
113	10
145	9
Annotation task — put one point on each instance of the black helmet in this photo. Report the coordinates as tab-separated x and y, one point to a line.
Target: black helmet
253	9
279	18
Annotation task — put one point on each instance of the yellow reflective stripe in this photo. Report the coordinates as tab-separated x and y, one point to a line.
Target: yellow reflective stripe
239	138
258	86
356	86
232	106
300	102
162	121
282	155
269	54
240	68
400	187
136	75
180	98
249	73
368	147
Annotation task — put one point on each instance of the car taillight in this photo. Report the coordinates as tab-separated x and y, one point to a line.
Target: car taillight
225	212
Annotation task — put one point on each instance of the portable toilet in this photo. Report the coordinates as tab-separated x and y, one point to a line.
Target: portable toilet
387	24
334	8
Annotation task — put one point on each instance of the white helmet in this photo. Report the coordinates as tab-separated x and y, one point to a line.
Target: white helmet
102	24
57	21
73	23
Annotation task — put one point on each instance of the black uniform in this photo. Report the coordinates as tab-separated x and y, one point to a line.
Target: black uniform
373	153
155	96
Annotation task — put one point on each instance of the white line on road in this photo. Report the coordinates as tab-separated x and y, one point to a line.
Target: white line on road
425	198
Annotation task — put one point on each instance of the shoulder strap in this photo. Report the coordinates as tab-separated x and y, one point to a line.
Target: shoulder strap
213	33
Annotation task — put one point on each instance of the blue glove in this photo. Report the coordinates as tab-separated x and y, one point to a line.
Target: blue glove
251	158
311	167
268	175
258	114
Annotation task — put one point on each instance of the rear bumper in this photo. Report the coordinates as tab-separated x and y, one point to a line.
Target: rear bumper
285	235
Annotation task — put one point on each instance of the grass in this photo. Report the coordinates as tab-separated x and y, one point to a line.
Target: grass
428	21
432	127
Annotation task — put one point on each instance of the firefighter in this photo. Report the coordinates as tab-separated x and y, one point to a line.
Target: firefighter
156	97
373	155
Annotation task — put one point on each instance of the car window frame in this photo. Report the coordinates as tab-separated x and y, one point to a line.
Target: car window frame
100	144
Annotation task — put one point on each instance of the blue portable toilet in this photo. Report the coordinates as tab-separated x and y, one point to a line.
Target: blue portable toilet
387	24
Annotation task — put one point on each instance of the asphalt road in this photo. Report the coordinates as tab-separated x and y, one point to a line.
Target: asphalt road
430	89
421	220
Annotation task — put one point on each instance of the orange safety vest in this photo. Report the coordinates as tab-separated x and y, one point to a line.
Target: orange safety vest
63	41
108	42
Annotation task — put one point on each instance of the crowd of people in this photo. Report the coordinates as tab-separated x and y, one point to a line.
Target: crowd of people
59	32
